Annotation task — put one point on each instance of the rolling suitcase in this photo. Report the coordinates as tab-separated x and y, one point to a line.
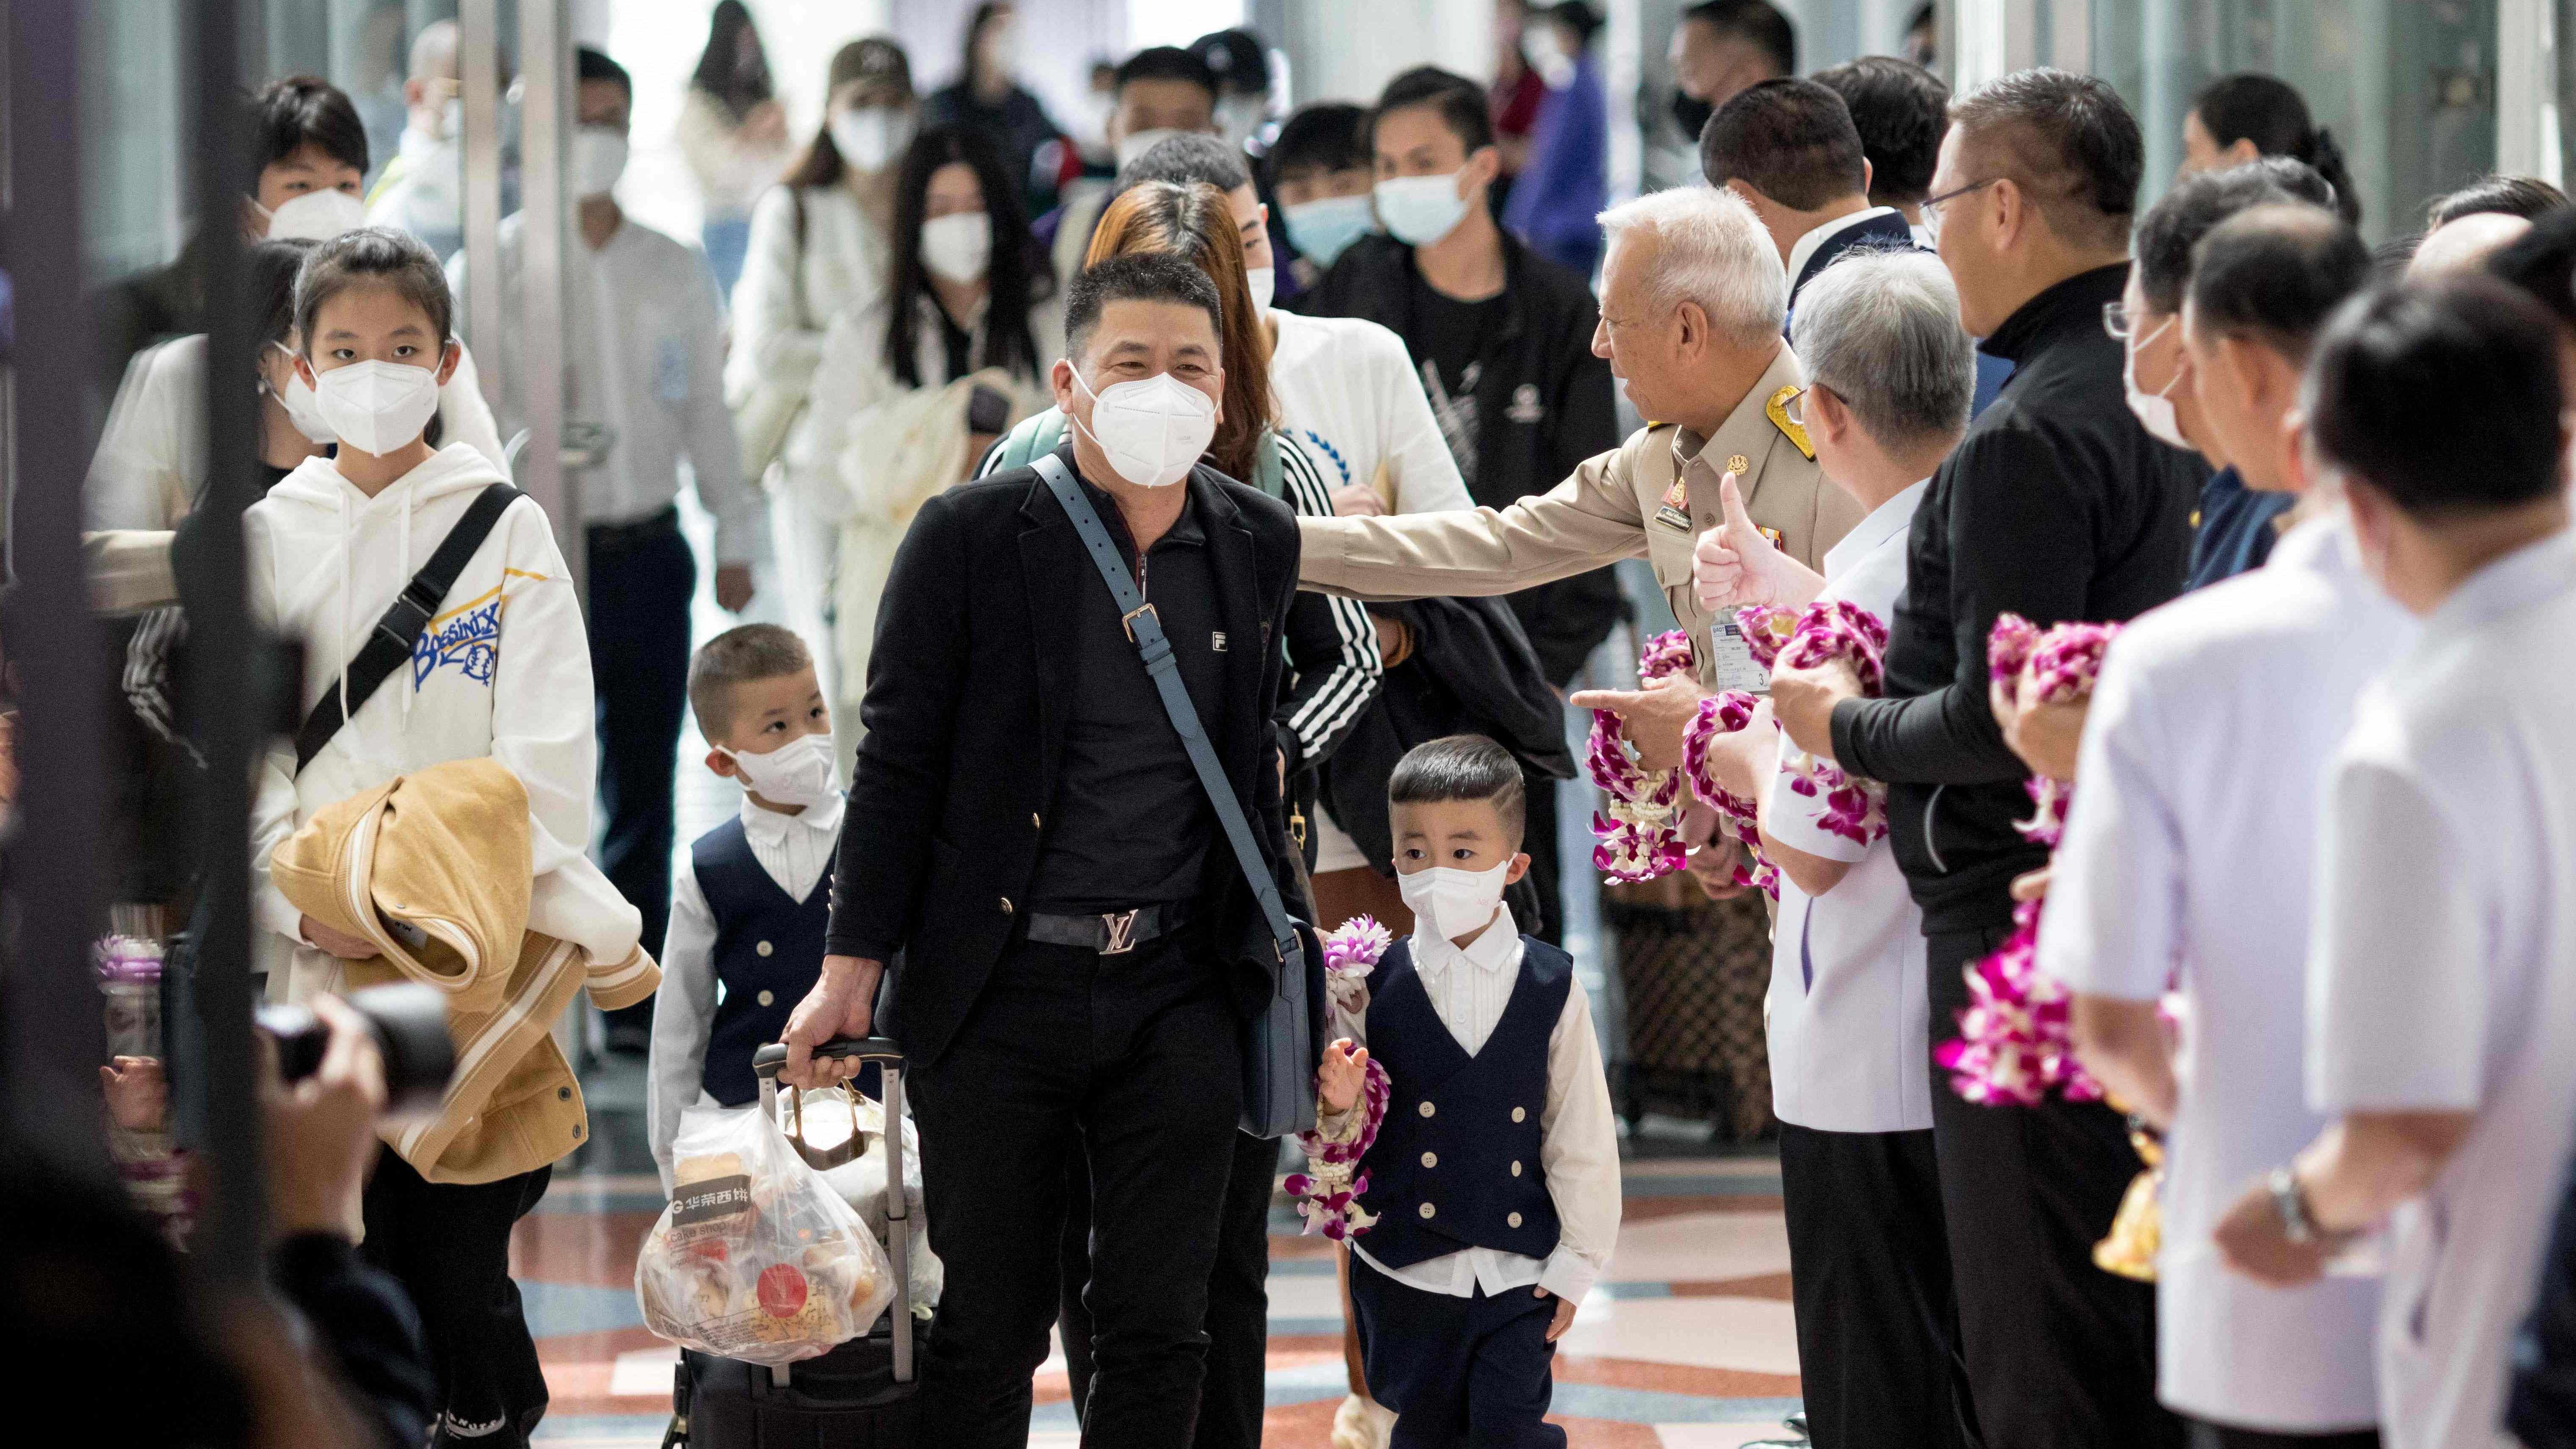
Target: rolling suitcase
858	1396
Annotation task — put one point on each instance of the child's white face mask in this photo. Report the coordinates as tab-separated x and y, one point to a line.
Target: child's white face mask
1453	902
797	773
377	407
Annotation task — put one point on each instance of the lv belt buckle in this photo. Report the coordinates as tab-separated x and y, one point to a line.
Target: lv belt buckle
1119	929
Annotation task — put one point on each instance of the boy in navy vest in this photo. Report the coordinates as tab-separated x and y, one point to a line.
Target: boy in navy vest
1494	1177
749	913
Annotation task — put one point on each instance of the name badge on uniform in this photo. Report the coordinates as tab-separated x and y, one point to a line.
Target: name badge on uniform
1676	510
1732	659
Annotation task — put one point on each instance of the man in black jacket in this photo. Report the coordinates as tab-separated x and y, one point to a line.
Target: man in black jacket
1025	827
2056	506
1503	340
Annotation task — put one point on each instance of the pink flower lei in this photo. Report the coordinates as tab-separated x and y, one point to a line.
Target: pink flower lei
1739	817
1328	1192
1830	630
1637	823
2013	1043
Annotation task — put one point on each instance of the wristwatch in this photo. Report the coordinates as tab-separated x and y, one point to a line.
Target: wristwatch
2292	1205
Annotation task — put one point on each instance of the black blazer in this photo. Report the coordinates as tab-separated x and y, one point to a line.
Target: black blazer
965	710
1879	233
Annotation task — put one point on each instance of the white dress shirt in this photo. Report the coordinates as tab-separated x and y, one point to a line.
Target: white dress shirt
2442	971
796	850
1805	246
1579	1140
2187	860
645	357
1847	1019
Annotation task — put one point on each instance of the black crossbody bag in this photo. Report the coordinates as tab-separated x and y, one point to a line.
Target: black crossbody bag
1281	1043
390	643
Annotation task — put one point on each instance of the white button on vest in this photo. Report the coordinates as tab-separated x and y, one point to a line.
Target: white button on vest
1426	1109
1431	1159
1514	1220
1516	1169
1520	1114
1428	1210
764	948
766	998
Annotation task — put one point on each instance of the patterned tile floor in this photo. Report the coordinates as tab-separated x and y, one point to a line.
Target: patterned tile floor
1688	1346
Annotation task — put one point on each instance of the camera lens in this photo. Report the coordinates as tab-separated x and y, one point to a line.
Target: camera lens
409	1023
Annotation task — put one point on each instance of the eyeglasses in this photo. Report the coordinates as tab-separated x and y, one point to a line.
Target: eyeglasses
1931	205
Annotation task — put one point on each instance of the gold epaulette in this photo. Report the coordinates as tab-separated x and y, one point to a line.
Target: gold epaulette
1777	409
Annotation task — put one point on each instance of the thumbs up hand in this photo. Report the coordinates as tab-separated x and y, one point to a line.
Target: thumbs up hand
1734	565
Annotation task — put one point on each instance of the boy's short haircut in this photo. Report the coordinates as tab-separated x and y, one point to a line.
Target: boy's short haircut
1190	159
300	111
373	255
594	65
740	655
1166	62
1463	767
1321	136
1459	102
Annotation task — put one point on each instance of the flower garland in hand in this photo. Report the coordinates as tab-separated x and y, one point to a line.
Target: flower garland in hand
1638	823
2014	1043
1328	1192
1830	630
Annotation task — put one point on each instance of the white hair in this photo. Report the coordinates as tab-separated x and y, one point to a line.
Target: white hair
1714	251
1881	328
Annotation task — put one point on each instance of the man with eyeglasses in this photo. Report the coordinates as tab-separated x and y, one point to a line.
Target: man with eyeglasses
2057	505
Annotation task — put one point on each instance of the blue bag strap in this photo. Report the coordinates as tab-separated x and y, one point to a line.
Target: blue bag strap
1145	629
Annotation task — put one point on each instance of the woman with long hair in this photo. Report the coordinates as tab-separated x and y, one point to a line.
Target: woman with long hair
987	96
2237	118
733	134
821	255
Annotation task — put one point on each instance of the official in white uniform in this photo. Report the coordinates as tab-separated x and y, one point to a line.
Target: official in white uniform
2189	850
643	368
2442	969
1890	375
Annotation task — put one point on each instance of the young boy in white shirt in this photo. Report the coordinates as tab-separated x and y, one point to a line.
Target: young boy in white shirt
750	911
1494	1178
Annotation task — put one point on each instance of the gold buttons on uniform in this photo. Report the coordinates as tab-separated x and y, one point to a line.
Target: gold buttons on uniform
1006	905
1431	1159
1520	1114
1516	1169
764	948
766	998
1426	1109
1428	1210
1514	1220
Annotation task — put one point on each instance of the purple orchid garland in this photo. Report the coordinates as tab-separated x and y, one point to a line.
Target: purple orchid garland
1637	824
1328	1193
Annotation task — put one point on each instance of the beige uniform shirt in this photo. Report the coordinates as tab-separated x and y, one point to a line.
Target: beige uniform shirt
1613	507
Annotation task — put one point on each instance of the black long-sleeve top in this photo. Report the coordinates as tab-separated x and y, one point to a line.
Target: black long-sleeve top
2056	506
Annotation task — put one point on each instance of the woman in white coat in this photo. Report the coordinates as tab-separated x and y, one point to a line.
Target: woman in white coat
821	252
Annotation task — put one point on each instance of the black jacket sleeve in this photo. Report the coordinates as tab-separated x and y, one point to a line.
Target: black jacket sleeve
2021	541
916	677
365	1322
2541	1405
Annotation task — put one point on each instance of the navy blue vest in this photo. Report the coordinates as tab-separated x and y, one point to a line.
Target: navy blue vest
1456	1163
768	953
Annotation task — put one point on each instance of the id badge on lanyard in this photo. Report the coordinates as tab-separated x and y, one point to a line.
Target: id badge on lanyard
1732	656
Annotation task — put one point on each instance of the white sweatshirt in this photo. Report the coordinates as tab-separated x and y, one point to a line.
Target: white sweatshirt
1348	389
502	670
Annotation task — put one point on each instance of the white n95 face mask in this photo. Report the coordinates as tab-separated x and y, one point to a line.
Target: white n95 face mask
1420	210
797	773
871	137
1238	117
958	247
1322	229
302	408
377	407
316	216
1132	148
1450	901
2154	410
1264	282
1152	429
598	159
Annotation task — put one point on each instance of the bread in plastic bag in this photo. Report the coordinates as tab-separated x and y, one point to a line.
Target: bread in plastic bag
757	1258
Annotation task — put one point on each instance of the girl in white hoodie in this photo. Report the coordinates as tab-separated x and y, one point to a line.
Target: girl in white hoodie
501	670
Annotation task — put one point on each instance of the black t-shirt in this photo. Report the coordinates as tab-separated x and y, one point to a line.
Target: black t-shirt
959	344
1130	825
1450	338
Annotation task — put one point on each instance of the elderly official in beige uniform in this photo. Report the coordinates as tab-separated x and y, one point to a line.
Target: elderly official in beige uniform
1692	301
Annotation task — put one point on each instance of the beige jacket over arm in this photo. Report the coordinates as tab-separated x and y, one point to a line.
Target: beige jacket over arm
1610	509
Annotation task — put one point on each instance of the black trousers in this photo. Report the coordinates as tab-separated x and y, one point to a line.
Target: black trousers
1128	1064
2058	1352
1869	1268
641	580
1458	1372
448	1244
1238	1302
2218	1436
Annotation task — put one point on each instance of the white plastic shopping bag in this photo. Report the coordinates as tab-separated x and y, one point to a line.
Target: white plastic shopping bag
757	1258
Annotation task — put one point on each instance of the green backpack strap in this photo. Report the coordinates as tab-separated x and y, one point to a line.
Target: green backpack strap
1267	473
1037	435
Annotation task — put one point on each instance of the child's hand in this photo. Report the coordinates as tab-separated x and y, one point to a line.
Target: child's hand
1564	1318
1344	1072
138	1095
